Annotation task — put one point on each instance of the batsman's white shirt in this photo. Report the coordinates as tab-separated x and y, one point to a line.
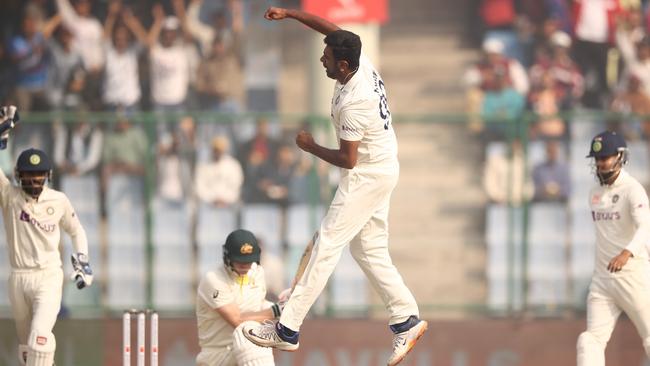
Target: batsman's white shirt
33	227
360	113
223	287
622	219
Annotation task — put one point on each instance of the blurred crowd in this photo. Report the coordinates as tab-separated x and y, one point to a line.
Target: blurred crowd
78	57
545	59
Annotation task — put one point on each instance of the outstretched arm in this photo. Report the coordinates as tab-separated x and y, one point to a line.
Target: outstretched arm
312	21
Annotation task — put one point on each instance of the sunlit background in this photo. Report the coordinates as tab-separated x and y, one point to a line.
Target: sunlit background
167	138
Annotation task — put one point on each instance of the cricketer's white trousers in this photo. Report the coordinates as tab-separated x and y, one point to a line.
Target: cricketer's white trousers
35	297
358	215
608	297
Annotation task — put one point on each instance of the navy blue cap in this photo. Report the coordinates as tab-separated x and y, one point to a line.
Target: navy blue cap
33	160
605	144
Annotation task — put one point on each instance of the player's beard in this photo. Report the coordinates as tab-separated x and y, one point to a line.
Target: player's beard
32	187
605	176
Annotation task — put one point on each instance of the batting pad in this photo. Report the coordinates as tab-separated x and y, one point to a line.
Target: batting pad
41	349
247	353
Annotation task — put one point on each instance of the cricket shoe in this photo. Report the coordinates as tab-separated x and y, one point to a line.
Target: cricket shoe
403	342
270	334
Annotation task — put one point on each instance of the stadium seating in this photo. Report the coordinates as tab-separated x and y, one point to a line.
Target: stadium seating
126	242
265	221
504	236
547	248
83	192
172	255
213	226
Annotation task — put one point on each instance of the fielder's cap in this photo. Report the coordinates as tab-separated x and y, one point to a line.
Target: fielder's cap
493	45
605	144
171	23
242	246
561	39
33	160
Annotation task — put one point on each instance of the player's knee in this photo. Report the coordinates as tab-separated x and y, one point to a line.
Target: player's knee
247	353
587	342
22	354
41	347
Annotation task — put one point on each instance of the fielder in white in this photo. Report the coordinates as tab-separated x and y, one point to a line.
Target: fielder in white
227	299
358	214
33	217
621	279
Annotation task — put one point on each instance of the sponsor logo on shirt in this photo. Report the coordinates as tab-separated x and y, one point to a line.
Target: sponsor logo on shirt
50	210
615	198
48	228
348	128
215	294
605	216
40	340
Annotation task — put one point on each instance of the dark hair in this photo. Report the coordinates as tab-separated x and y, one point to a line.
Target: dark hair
346	46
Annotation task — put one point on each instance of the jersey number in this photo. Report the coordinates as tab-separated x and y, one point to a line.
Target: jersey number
384	112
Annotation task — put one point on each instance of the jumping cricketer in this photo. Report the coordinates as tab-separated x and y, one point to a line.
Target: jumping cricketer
358	214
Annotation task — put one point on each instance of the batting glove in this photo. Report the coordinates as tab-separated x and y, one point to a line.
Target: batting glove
82	274
8	117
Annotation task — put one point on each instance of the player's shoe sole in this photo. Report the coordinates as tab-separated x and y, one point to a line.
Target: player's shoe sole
264	335
411	338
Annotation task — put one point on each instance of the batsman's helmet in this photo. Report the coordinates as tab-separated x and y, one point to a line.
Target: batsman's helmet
605	144
33	161
241	246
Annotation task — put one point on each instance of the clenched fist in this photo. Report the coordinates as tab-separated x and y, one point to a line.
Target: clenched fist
304	140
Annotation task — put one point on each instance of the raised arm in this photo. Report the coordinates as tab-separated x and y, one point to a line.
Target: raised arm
312	21
8	119
158	17
68	14
136	27
50	26
114	8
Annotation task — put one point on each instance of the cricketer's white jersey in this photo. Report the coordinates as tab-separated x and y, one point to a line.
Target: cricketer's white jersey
223	287
33	227
360	113
622	219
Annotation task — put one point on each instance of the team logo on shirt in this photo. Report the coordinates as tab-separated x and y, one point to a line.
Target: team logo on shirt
48	228
615	198
246	249
50	210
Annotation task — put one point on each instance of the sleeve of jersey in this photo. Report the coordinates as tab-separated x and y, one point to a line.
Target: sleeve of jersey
5	185
641	215
70	224
215	292
355	118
